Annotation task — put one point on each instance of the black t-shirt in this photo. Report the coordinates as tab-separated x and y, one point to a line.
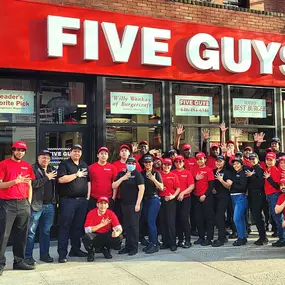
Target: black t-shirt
150	188
48	192
220	188
129	188
77	187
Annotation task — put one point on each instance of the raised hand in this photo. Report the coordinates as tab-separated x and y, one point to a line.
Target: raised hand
81	173
219	176
22	179
206	134
135	147
180	130
51	175
266	175
199	176
223	127
249	173
259	138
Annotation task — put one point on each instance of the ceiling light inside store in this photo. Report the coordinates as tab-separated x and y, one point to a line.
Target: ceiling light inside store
83	116
81	106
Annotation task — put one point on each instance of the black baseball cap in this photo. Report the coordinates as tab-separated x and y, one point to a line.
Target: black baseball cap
131	159
171	151
147	158
237	160
220	157
277	140
253	155
238	153
45	152
76	146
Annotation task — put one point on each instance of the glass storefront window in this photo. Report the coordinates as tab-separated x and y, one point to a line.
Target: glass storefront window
117	136
8	135
196	104
252	106
62	102
133	101
17	100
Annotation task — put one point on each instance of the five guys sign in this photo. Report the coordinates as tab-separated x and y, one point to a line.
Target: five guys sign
77	40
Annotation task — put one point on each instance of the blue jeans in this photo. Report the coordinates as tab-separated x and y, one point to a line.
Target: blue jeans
239	207
44	219
278	218
150	210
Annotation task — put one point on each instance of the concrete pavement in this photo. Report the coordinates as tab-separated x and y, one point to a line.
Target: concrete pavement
198	265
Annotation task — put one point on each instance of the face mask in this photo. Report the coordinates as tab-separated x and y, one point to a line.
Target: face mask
131	167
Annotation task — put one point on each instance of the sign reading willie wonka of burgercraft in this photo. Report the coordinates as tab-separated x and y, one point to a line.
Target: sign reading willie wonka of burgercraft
20	102
131	103
193	106
58	155
249	108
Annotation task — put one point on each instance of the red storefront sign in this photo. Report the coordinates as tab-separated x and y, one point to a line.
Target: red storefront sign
49	37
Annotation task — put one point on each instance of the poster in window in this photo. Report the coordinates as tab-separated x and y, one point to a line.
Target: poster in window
249	108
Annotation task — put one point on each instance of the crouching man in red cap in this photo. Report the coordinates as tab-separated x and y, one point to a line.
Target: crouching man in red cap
102	229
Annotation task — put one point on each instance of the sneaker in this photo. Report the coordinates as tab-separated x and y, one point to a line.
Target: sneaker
124	251
217	243
107	254
46	258
180	243
164	246
206	242
173	248
77	253
233	235
23	265
279	243
187	244
144	242
199	241
239	242
90	256
133	252
275	234
145	249
30	261
152	249
62	259
261	241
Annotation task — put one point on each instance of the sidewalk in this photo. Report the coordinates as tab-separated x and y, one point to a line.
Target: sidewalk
198	265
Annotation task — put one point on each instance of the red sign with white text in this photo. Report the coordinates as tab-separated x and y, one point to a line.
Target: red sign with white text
96	45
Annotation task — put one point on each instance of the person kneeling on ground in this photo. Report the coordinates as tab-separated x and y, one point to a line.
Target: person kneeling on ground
102	229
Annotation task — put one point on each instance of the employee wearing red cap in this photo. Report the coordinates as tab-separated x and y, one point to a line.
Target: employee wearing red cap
102	175
15	199
272	178
167	214
189	162
280	205
183	202
281	166
102	230
74	185
204	201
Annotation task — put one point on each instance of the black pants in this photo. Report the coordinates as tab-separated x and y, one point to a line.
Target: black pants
193	222
14	219
221	203
92	204
118	211
258	200
183	219
132	225
167	219
71	223
99	240
204	212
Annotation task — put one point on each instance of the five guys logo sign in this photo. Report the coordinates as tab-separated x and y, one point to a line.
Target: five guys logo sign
154	43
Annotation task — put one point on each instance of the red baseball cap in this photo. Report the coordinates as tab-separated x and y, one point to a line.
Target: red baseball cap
143	142
103	148
179	157
248	147
200	155
282	180
167	161
270	155
230	141
269	149
214	145
104	199
186	147
281	158
20	144
124	146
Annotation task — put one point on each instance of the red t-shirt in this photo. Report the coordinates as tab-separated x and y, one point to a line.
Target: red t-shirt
276	176
101	178
93	219
190	163
170	182
280	200
201	186
10	170
185	178
211	162
246	162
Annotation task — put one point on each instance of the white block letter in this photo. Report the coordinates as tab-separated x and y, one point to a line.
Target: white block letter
228	55
55	36
266	55
282	57
150	46
90	40
120	51
211	58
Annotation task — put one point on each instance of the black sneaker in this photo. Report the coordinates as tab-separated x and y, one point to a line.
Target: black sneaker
164	246
133	252
124	251
239	242
152	249
217	243
233	235
187	244
90	256
180	243
261	241
145	249
144	242
77	253
275	234
30	261
46	258
173	248
22	265
279	243
206	242
62	259
199	241
107	254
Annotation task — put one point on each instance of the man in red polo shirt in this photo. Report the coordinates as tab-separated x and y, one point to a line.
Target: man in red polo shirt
102	174
204	201
189	161
15	199
102	229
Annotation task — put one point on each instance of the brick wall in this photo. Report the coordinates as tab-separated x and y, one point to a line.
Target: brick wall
191	11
